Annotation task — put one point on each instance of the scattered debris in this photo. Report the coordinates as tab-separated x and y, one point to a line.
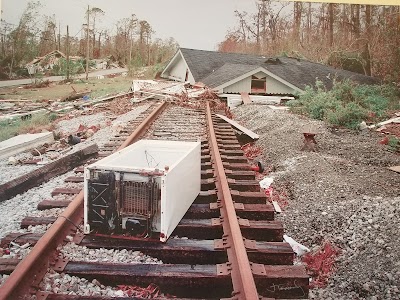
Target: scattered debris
46	62
276	207
75	95
251	151
393	120
298	248
150	292
362	125
266	182
320	264
73	139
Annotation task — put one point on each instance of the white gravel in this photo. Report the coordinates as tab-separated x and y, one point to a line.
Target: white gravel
73	252
12	211
71	126
108	129
71	285
343	194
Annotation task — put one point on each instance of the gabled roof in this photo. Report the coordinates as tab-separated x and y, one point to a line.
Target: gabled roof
211	66
227	73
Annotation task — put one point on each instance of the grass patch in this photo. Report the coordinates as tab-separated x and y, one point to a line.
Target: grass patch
347	104
37	123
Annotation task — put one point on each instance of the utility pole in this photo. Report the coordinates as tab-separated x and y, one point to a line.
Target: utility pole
59	36
87	45
67	53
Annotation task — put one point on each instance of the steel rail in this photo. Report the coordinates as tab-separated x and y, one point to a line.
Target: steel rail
31	270
242	277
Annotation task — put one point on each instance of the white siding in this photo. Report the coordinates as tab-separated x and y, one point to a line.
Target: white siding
243	85
276	87
273	86
178	70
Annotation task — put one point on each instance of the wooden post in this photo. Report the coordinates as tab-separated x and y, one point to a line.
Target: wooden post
87	45
67	52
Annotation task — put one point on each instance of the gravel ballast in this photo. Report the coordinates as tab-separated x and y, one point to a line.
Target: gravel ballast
343	193
108	127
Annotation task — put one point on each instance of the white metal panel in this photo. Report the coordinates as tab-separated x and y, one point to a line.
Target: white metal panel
182	185
146	155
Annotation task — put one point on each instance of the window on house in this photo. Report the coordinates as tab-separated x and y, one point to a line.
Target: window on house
258	85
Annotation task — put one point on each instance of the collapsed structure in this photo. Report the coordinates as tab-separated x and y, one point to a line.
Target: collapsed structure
247	73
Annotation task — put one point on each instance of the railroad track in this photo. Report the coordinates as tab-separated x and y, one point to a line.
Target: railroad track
228	245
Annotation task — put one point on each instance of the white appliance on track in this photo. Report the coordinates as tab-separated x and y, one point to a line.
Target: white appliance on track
143	189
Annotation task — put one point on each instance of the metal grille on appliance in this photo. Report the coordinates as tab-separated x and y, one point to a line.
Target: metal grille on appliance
139	198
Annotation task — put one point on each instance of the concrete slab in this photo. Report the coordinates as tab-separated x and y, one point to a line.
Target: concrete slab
24	142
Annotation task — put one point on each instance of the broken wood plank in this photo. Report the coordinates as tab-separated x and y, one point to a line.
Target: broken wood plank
245	98
46	172
49	204
7	265
65	191
276	207
74	179
395	169
239	127
34	221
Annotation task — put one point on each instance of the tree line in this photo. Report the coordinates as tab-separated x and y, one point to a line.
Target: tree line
130	41
360	38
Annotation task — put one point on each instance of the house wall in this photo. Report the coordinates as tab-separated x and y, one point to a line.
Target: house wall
273	86
177	71
243	85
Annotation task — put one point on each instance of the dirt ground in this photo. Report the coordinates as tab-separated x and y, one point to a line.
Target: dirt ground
342	194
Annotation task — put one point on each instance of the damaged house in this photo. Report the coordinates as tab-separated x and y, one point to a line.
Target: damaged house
257	74
46	62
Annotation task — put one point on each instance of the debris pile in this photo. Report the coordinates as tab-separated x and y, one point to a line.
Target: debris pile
251	151
321	264
150	292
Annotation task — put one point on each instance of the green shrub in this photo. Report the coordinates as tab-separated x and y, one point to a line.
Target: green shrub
350	115
347	104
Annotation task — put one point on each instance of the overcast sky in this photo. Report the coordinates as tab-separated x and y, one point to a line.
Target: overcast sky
193	23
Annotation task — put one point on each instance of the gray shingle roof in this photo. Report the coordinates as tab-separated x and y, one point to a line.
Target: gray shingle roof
212	67
227	73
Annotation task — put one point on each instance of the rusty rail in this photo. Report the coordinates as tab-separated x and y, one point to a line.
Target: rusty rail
241	273
31	270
